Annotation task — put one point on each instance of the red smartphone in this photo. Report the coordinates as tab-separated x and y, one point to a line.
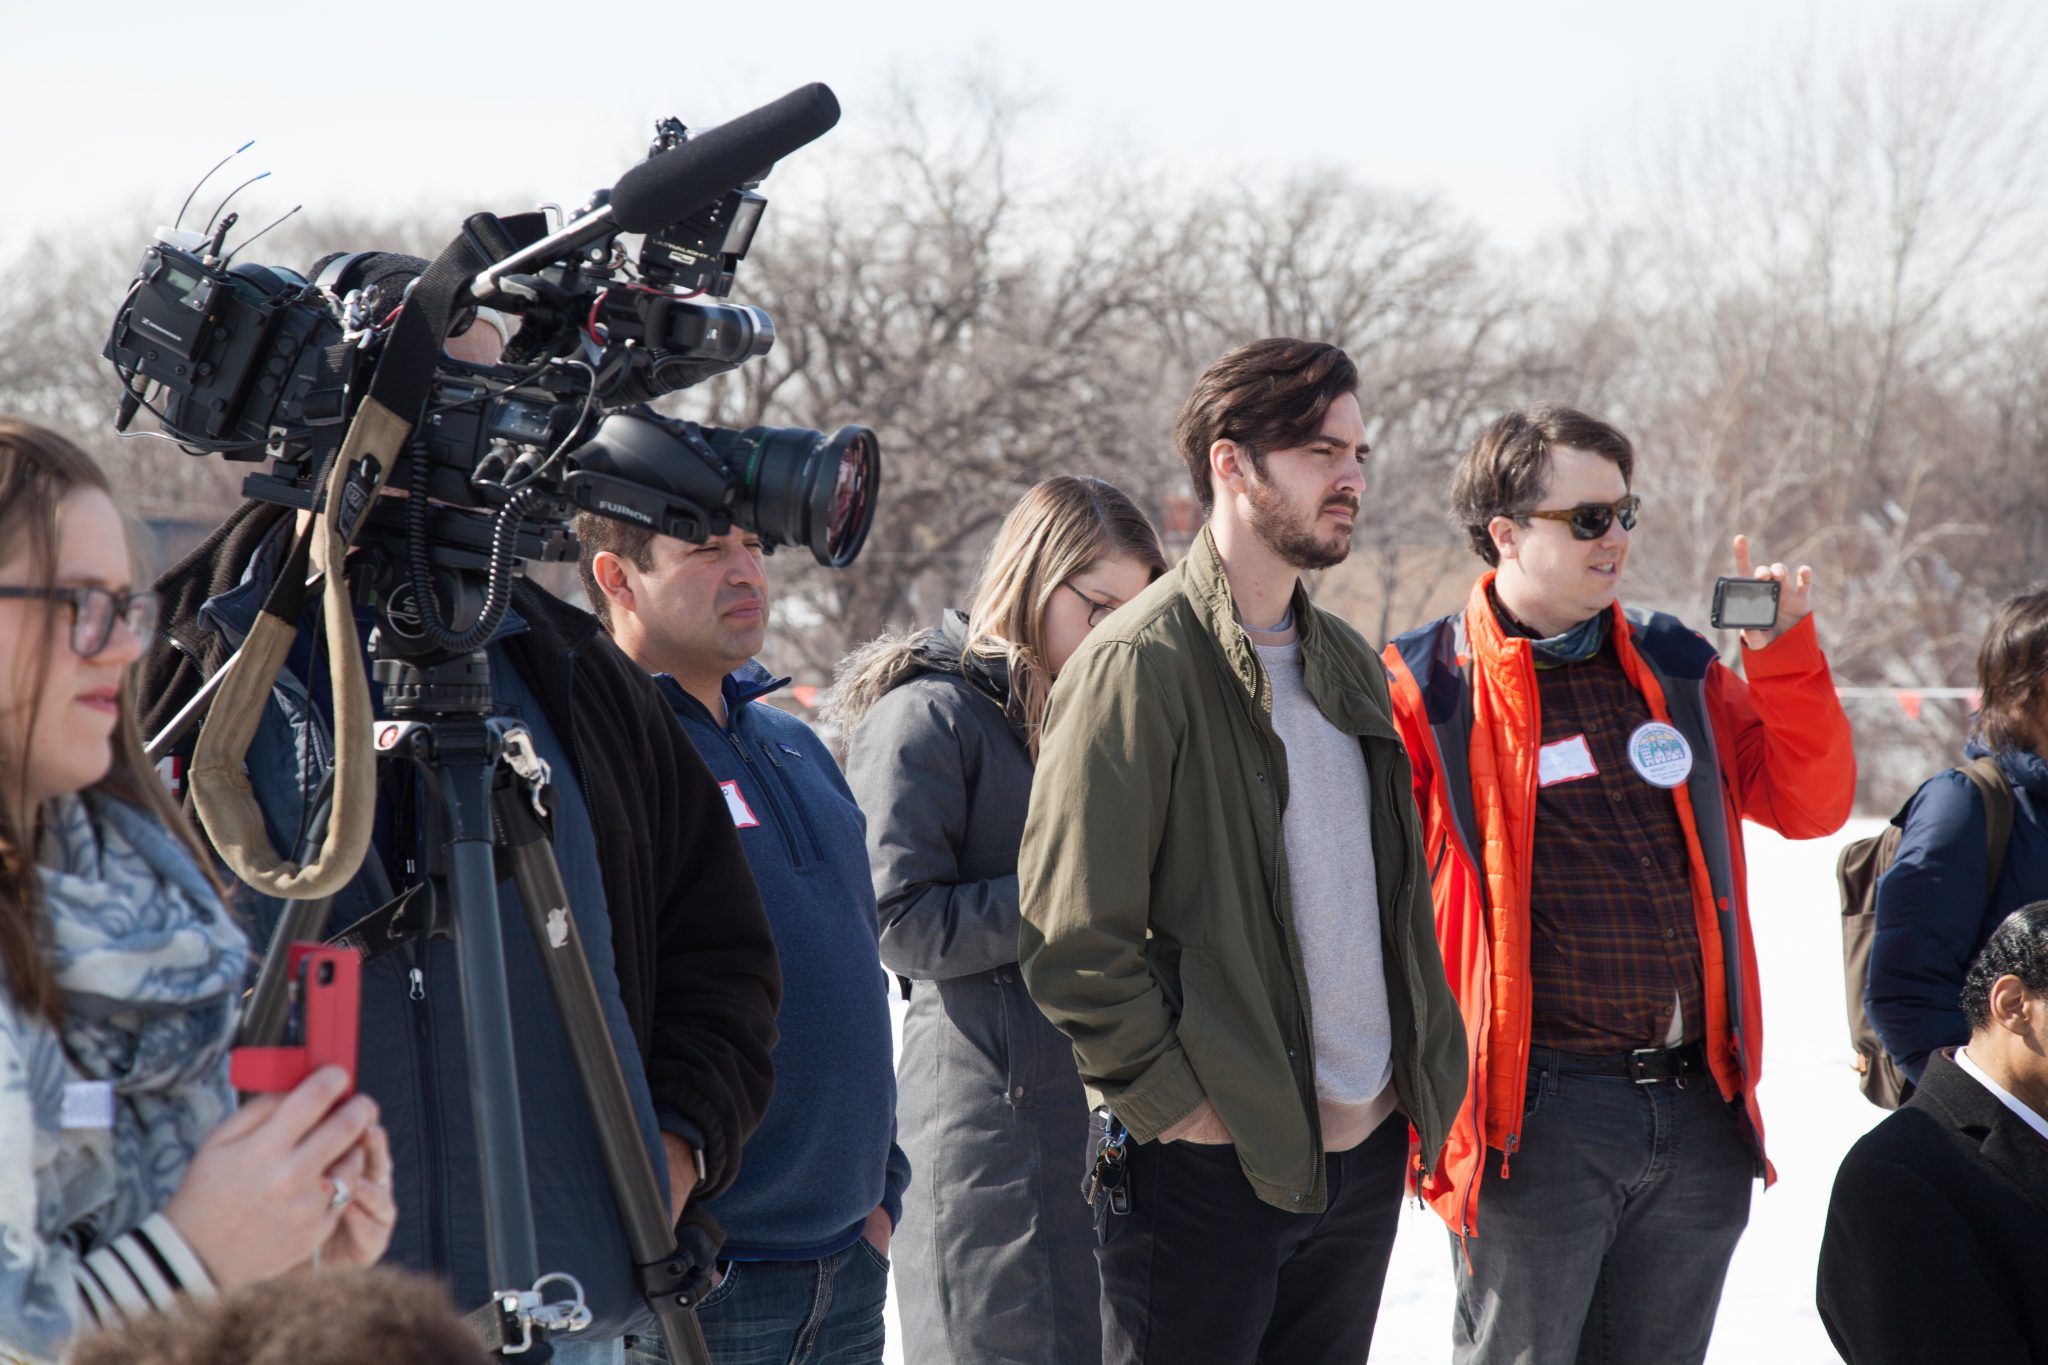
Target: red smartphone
321	1023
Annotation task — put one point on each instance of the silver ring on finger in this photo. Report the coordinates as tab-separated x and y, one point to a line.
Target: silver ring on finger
342	1195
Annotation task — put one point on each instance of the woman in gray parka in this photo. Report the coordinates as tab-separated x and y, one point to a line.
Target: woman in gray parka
994	1257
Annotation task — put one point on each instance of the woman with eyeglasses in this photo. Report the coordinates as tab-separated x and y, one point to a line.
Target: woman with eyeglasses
994	1257
127	1176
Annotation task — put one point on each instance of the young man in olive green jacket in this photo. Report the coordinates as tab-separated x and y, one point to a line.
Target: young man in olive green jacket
1226	907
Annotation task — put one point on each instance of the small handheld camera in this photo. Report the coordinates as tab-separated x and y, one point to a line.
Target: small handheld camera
320	1023
1745	603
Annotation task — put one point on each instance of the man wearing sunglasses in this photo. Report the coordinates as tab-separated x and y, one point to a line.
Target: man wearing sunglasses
1583	771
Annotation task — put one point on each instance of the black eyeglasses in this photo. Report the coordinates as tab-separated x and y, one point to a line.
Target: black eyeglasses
94	611
1096	610
1590	520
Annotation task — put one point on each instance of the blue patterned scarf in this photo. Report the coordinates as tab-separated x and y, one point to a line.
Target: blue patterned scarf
151	967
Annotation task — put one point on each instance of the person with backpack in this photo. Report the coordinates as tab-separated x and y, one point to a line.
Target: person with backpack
1941	897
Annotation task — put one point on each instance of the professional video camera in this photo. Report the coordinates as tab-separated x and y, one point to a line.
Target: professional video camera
257	362
347	391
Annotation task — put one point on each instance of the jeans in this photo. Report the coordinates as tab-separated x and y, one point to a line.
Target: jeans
824	1312
1610	1239
1202	1270
569	1351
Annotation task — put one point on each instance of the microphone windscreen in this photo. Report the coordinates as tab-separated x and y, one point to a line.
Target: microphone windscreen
670	187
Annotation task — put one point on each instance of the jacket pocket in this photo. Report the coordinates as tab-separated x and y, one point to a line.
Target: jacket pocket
799	810
1240	1055
978	1051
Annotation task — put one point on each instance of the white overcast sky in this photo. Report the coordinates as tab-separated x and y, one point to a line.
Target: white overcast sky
112	108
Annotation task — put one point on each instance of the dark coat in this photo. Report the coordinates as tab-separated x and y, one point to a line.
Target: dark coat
684	959
994	1259
1937	1234
1935	908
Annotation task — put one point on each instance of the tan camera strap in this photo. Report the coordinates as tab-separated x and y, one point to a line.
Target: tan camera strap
218	781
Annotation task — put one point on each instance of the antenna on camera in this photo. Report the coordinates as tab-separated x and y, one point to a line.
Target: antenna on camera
208	176
264	175
279	219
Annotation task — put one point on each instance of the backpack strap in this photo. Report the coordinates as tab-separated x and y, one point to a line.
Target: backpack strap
1989	780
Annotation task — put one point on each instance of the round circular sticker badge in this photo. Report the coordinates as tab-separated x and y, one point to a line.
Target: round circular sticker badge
1660	755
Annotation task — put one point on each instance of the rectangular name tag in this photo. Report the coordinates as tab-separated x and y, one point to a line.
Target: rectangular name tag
1568	760
743	816
87	1104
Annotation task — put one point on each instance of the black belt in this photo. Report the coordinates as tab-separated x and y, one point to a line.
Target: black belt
1644	1066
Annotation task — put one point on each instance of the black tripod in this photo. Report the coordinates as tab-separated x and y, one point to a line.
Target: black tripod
488	792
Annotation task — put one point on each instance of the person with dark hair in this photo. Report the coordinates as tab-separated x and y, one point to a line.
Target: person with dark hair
1584	772
995	1259
808	1222
1226	906
666	907
1937	1230
382	1315
1940	898
128	1180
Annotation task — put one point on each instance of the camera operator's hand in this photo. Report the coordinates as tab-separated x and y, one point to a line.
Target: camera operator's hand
370	1213
1795	594
256	1200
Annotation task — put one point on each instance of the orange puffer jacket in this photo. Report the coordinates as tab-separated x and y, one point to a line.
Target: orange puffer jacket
1466	702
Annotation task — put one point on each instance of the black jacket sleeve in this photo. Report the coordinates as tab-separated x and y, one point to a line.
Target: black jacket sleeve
717	984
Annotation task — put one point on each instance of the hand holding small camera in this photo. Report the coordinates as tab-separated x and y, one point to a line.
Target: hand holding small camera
1795	594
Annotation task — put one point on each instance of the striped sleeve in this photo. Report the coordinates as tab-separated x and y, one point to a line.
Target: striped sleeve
140	1272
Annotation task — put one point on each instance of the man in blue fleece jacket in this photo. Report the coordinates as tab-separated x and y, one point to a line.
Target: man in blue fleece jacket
821	1181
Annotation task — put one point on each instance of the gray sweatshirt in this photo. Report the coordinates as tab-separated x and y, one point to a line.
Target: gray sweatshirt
1328	830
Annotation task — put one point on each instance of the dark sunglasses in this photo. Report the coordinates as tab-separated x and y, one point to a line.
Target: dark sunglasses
94	611
1590	520
1096	610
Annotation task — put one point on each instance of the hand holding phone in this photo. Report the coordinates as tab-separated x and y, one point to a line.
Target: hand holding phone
1790	598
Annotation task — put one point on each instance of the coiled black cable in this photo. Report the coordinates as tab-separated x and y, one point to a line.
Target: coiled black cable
498	586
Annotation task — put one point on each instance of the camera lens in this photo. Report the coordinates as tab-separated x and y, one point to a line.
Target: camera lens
789	485
806	488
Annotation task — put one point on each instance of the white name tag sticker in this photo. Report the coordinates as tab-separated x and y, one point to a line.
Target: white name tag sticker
88	1104
743	816
1568	760
1660	755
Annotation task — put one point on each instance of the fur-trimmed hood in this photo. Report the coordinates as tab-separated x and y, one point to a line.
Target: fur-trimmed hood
885	663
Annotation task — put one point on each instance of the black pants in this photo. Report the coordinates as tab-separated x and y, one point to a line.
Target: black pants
1202	1270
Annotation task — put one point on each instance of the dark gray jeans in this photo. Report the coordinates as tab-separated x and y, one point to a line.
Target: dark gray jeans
1609	1242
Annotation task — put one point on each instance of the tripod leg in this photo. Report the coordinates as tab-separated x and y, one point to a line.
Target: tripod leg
465	788
263	1017
649	1234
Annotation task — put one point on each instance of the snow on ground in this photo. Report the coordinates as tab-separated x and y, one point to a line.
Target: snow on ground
1812	1111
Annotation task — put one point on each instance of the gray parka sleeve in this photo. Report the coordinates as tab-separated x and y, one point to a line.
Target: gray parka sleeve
912	763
